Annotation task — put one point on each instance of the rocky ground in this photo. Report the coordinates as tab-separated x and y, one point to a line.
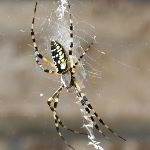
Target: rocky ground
120	91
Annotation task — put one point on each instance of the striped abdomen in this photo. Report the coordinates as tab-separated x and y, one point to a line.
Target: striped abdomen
58	56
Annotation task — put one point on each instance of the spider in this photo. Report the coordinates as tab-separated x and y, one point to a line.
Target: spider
65	67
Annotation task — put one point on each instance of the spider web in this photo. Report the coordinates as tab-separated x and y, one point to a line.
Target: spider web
88	124
56	27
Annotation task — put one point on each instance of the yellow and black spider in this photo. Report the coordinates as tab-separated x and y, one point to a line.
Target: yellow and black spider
65	67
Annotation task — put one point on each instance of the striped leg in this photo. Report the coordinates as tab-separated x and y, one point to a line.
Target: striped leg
71	36
54	100
88	108
83	100
71	130
80	58
73	66
102	122
56	118
39	57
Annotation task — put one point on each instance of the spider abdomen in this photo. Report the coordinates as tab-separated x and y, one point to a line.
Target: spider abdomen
58	56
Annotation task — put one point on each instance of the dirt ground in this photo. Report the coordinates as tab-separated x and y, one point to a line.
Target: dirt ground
117	82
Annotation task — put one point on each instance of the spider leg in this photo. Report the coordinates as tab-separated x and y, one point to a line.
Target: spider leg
54	99
71	130
82	99
57	120
103	123
83	54
88	108
71	35
39	57
73	66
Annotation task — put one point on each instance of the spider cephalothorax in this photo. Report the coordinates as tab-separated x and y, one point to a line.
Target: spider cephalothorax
65	67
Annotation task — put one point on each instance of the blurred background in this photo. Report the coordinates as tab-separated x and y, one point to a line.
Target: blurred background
119	92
